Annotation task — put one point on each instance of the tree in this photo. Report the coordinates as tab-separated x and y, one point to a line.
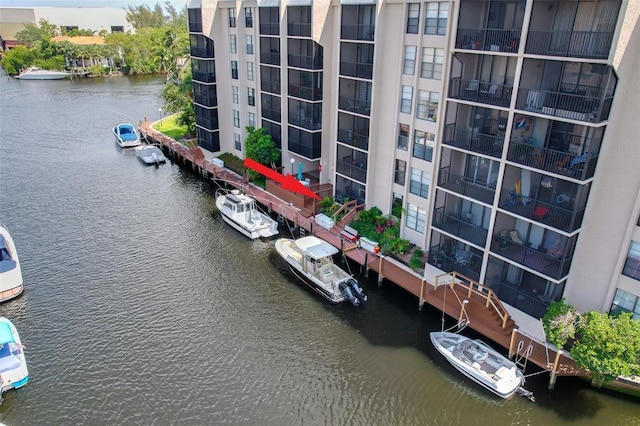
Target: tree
178	97
608	346
259	146
560	322
32	32
17	59
143	17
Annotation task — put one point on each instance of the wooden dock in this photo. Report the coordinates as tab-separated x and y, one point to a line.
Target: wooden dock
465	300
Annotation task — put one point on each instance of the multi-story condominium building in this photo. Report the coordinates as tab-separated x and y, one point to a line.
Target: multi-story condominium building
487	121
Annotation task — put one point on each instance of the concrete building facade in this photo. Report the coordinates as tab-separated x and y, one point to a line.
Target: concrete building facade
498	126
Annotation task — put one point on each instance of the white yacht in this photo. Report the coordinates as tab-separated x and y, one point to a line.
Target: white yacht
240	211
126	135
10	274
35	73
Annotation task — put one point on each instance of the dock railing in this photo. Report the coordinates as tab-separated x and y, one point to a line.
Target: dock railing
472	287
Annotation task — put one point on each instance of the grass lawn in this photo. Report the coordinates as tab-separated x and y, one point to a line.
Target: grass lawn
170	127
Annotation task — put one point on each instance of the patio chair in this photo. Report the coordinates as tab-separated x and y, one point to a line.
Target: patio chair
473	86
493	89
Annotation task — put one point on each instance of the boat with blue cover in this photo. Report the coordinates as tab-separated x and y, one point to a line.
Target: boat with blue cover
126	135
13	365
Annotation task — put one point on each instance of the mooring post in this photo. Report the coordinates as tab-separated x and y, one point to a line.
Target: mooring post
514	332
421	299
554	372
366	265
380	276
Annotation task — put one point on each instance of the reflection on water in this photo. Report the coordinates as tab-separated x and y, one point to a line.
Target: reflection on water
142	306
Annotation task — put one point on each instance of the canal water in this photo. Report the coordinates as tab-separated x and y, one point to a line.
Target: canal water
142	306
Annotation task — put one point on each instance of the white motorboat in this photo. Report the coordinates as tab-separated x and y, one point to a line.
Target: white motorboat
35	73
13	365
150	154
240	211
481	363
10	274
310	259
126	135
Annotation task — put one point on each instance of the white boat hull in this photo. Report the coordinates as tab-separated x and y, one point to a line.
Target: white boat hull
11	283
316	269
151	155
41	74
127	138
13	364
479	362
259	224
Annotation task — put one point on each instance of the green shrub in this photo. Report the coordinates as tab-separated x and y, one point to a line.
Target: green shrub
416	263
232	162
560	323
97	70
418	253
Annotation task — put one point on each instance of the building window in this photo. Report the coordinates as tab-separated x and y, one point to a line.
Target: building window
117	29
413	18
236	118
232	17
250	71
401	169
407	99
632	264
427	108
624	301
432	60
436	19
416	218
423	145
234	70
248	17
252	119
235	92
409	60
420	181
251	96
403	137
236	138
233	43
249	45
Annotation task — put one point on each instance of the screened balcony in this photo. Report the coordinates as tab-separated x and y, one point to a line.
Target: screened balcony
545	251
573	90
358	22
544	199
355	96
468	174
494	26
579	29
464	219
557	147
482	78
475	129
522	289
353	130
449	254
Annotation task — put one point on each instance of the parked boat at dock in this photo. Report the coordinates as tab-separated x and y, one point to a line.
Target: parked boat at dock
126	135
13	365
241	212
150	154
35	73
11	284
310	259
481	363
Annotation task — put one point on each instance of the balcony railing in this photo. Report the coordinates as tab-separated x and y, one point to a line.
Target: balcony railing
480	91
202	52
356	69
534	305
204	77
460	227
466	186
358	138
467	265
271	58
550	214
575	44
537	260
563	163
357	32
305	122
493	40
580	104
358	106
482	143
352	169
298	29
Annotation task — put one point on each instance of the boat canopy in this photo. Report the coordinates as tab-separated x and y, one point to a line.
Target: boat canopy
6	262
315	247
6	335
233	198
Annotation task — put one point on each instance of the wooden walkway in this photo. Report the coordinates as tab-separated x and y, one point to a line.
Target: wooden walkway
459	297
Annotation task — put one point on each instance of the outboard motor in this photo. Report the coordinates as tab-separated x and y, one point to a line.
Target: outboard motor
346	292
357	290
